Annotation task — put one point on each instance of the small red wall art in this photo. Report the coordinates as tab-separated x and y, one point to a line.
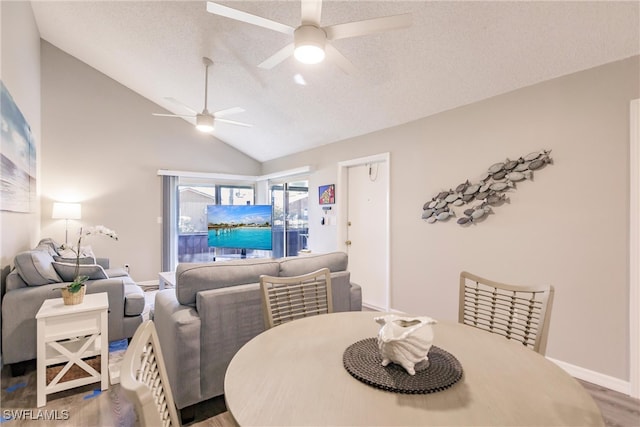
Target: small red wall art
327	194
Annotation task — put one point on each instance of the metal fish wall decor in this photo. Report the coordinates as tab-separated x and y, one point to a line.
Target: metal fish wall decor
489	191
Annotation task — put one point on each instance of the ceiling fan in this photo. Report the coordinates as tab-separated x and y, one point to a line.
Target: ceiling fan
205	120
310	39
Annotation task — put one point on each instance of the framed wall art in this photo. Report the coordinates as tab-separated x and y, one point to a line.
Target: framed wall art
18	156
327	194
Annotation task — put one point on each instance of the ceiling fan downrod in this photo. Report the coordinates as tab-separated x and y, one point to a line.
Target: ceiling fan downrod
207	63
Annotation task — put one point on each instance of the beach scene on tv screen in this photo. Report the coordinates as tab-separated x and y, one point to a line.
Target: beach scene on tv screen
239	226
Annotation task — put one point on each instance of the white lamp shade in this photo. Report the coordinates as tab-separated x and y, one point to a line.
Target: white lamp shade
66	211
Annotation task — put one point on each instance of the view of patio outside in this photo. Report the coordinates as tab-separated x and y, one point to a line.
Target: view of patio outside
290	220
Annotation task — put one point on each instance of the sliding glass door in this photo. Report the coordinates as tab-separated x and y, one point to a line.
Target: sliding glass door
192	203
290	202
192	222
185	230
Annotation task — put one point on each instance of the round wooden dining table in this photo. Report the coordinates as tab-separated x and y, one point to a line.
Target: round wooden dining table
293	375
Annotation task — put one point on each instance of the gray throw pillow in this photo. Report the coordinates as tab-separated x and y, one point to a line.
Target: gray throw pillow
34	267
70	254
83	260
46	248
67	271
53	246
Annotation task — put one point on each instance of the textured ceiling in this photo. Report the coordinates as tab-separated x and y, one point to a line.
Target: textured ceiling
455	53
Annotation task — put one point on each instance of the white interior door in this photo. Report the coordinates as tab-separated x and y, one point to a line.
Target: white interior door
367	231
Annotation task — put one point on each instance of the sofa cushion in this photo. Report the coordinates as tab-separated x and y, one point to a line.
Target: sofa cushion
34	267
116	272
133	299
67	271
192	278
295	266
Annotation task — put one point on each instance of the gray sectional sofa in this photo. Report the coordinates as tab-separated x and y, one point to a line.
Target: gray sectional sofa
38	275
216	308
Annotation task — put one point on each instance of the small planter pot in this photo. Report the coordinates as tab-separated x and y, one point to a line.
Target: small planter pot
73	298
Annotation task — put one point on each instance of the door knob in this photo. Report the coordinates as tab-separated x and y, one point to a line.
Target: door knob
348	243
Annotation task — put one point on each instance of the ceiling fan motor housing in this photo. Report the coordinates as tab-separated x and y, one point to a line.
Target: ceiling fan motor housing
204	122
309	42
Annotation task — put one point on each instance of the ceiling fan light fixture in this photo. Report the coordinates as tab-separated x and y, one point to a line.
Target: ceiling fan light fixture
309	42
204	122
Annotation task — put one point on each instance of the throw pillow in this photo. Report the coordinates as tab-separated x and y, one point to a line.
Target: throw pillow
34	267
69	255
83	260
45	248
67	271
51	244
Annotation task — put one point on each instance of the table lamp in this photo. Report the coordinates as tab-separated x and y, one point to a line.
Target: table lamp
66	211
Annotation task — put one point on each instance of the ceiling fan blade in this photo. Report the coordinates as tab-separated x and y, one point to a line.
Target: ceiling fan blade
311	12
232	122
277	57
238	15
339	59
228	112
368	26
175	101
169	115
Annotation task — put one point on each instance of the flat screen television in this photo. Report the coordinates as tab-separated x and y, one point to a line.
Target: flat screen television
239	226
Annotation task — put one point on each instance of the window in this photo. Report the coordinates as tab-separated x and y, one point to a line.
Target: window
192	220
290	202
186	196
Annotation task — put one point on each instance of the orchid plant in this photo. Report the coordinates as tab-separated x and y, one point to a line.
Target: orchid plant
98	230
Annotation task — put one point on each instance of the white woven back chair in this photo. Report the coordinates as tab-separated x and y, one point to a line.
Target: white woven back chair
516	312
143	378
289	298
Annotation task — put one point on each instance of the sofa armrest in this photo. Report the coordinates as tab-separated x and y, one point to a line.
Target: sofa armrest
356	297
115	291
231	317
341	291
19	308
178	327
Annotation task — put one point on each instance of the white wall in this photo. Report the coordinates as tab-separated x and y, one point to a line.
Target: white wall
102	147
568	227
21	75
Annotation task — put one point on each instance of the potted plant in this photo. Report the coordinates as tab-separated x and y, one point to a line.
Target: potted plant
74	292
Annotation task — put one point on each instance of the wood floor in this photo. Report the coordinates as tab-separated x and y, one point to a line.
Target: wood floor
87	406
618	410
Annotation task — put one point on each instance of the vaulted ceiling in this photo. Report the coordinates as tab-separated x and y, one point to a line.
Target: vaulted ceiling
455	53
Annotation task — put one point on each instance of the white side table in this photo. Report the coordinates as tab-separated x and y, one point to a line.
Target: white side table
71	333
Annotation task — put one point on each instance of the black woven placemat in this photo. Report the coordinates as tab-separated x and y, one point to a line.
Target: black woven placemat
363	361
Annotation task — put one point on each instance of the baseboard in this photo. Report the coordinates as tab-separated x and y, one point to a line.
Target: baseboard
372	307
593	377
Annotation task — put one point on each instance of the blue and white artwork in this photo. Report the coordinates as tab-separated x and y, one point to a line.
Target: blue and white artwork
239	226
17	156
